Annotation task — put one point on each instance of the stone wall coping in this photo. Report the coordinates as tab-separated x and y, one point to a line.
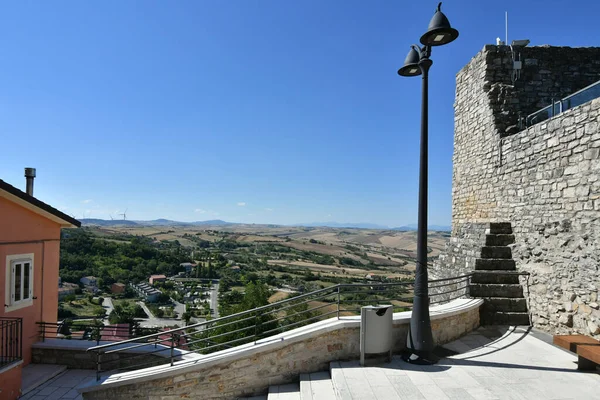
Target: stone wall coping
83	345
454	307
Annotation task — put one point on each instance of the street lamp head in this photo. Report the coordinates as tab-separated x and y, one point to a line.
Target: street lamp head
439	32
411	64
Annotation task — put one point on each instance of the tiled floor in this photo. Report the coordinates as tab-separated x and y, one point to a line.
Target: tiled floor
495	363
62	386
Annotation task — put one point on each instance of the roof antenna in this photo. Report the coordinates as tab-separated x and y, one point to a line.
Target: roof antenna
506	25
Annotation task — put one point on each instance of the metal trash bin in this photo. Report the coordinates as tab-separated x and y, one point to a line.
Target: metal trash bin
376	334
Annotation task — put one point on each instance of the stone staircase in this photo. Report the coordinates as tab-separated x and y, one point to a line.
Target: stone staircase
495	280
315	386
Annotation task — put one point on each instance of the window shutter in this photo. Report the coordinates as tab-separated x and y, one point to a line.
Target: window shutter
30	281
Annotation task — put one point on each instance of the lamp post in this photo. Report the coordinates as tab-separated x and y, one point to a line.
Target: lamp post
420	339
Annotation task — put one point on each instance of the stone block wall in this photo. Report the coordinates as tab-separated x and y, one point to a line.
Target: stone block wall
82	359
253	374
544	180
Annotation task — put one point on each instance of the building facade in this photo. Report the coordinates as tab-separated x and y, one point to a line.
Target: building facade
30	234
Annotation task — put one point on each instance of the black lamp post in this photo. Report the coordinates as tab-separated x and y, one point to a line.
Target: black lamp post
420	339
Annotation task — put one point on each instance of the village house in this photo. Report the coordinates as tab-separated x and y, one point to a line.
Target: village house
157	278
117	288
30	234
66	288
188	266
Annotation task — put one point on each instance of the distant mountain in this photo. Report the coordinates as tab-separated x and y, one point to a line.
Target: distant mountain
162	222
359	225
413	227
213	222
105	222
155	222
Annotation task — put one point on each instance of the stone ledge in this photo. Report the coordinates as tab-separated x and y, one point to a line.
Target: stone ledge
296	351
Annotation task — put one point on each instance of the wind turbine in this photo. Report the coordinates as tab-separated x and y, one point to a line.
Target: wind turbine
111	217
124	214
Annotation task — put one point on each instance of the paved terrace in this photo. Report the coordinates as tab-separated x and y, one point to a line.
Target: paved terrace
493	363
490	363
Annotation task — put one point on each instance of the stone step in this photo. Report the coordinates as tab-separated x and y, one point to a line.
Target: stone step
291	391
483	290
490	264
499	239
316	386
507	277
500	228
503	318
503	252
340	385
504	304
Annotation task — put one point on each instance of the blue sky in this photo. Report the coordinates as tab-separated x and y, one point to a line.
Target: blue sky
248	110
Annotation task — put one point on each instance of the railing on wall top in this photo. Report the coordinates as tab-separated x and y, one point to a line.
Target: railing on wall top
578	98
11	340
252	325
91	330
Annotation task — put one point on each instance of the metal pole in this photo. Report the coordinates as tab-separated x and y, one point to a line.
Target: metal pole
338	302
420	337
172	347
98	365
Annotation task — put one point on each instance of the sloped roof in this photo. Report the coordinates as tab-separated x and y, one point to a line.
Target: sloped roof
39	207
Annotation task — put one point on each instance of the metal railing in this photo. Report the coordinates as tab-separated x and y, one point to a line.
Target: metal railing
91	330
250	326
578	98
11	340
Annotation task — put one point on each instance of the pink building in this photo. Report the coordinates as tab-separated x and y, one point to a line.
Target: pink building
157	278
29	259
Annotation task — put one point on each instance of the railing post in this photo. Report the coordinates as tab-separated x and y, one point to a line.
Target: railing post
255	327
172	347
338	302
20	338
468	291
98	365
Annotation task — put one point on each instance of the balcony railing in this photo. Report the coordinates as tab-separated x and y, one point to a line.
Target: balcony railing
91	330
576	99
261	322
11	340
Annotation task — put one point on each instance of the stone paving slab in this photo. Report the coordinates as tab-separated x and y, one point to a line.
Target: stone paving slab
493	363
61	387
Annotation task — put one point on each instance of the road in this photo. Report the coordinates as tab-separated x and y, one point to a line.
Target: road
152	321
179	308
107	304
214	303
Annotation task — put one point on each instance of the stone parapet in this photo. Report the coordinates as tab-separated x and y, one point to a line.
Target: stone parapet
250	369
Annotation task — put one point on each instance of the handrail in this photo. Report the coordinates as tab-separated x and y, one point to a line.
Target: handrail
257	309
241	324
212	321
11	340
532	118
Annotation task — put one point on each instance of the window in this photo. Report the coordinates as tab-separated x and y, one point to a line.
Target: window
19	281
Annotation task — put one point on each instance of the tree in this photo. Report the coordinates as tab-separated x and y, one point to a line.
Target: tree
69	298
186	316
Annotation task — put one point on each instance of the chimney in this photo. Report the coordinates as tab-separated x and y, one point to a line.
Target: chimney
29	175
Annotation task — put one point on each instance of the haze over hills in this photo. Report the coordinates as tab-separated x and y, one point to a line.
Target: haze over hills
218	222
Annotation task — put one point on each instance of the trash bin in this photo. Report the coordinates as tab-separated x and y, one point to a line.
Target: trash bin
376	334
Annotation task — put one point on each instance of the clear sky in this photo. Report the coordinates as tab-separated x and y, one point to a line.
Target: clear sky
265	111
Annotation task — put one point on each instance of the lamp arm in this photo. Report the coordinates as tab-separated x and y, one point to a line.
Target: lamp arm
424	52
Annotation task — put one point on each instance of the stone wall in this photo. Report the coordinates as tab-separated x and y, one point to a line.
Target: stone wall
544	180
252	374
82	359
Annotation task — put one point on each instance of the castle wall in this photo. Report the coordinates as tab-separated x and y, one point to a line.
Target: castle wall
545	180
